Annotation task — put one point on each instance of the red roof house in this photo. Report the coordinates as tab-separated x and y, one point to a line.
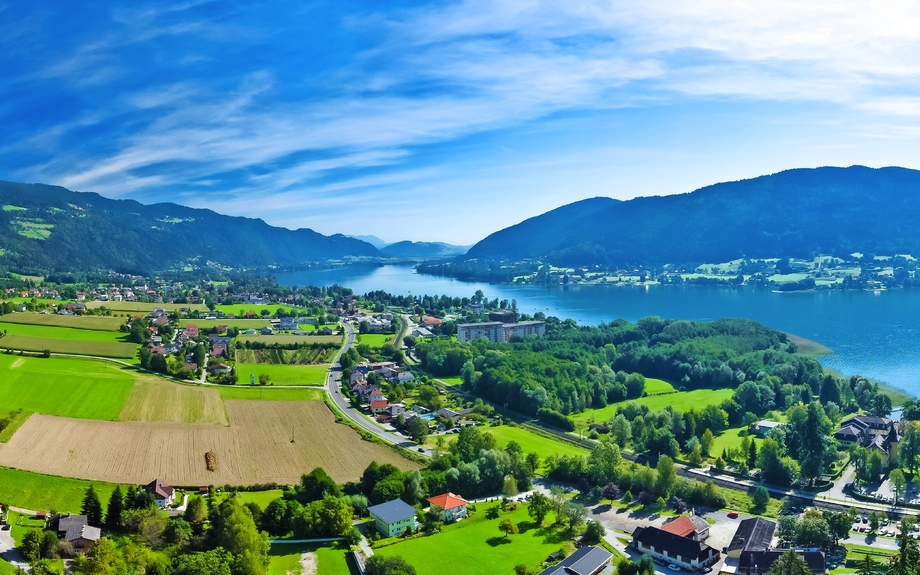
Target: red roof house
454	506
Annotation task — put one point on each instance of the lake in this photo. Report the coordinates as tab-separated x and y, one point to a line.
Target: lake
872	333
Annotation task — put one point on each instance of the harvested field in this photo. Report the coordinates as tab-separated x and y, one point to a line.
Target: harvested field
97	348
256	448
153	399
93	322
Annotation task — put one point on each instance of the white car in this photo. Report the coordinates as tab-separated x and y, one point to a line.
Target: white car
673	567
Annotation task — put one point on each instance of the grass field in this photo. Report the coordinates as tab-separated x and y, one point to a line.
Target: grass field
271	393
284	374
681	401
285	339
329	558
239	309
475	545
655	386
19	417
153	399
69	387
452	380
40	492
374	339
93	322
730	438
69	347
530	441
62	333
260	498
266	442
206	324
143	307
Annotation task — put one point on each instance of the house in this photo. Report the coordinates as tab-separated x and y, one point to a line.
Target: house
685	526
76	530
393	517
218	349
429	321
753	534
378	405
588	560
191	330
878	434
681	551
762	428
218	368
163	494
454	506
422	332
454	416
759	562
404	376
267	331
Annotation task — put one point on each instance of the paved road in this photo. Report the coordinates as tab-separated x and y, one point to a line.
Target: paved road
8	551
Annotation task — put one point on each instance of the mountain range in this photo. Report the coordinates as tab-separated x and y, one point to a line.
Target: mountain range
795	213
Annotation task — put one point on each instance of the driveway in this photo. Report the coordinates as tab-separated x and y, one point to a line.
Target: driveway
8	551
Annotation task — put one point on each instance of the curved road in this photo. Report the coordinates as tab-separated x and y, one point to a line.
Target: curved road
332	388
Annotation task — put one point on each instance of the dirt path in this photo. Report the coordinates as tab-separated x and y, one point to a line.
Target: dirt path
308	564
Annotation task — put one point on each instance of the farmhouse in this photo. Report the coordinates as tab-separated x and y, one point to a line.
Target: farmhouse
454	506
693	527
393	517
681	551
76	530
585	561
163	494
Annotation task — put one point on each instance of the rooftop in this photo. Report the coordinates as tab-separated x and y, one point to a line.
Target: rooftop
585	561
393	511
447	501
753	534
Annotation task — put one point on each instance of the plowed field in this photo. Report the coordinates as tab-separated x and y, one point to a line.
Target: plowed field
257	447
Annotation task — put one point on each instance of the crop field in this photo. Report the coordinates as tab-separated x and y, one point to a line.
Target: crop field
97	348
329	559
240	309
307	355
261	393
205	324
93	322
286	339
284	374
41	492
62	333
152	399
142	306
681	401
374	339
266	441
69	387
530	441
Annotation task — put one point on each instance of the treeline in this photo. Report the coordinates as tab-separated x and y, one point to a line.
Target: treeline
573	368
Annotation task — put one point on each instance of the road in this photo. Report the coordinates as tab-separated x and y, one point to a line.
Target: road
332	388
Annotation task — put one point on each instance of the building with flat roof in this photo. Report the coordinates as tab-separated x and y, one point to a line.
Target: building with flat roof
585	561
754	534
393	517
498	332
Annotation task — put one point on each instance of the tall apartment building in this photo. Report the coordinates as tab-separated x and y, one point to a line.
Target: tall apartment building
498	332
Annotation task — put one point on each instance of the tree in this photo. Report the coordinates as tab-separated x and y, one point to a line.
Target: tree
706	442
540	505
264	379
413	491
666	477
508	526
521	569
594	533
752	454
787	528
115	509
92	507
235	530
760	497
418	430
214	562
30	545
510	488
909	447
839	524
178	531
813	530
873	521
611	492
603	462
317	484
907	559
789	563
393	565
867	566
573	515
898	482
874	465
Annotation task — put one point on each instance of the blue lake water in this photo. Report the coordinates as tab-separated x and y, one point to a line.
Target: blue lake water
873	334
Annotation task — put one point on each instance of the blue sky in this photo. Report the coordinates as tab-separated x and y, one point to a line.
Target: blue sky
446	121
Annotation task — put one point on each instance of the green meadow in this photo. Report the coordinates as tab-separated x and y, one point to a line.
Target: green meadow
137	306
284	374
268	393
68	387
40	492
475	545
241	309
56	339
331	559
92	322
374	339
206	324
679	400
531	441
55	332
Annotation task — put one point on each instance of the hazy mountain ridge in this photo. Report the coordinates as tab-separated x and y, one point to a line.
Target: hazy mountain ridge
409	249
50	228
798	213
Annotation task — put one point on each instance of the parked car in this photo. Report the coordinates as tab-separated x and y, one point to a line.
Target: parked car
733	515
673	567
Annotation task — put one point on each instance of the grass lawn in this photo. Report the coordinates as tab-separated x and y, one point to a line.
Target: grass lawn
452	380
741	501
22	523
54	332
730	438
475	545
41	492
69	387
69	347
530	441
285	339
331	558
269	393
94	322
681	401
655	386
206	324
6	568
374	339
284	374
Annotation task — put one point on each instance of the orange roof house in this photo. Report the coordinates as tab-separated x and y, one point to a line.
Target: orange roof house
454	506
681	526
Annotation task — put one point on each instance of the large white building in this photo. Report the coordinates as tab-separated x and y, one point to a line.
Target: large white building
498	332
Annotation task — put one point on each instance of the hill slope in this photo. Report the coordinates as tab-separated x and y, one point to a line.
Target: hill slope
407	249
795	213
49	228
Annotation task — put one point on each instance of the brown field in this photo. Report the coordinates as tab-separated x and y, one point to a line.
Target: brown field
256	448
94	322
153	399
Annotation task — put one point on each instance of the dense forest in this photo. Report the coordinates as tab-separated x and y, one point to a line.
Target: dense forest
795	213
51	229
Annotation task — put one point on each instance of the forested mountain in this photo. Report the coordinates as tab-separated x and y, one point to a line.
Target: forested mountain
49	228
407	249
796	213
